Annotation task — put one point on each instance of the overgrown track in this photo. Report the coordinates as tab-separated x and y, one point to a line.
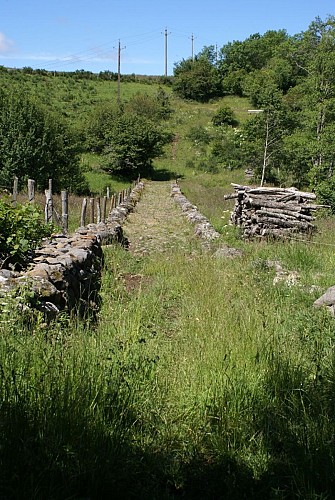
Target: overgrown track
157	224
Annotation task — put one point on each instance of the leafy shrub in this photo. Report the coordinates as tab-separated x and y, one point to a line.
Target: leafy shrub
199	135
154	107
224	116
99	124
132	143
22	229
208	165
190	164
197	80
325	192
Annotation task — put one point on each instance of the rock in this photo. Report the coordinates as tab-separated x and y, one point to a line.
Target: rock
289	278
229	252
7	273
327	299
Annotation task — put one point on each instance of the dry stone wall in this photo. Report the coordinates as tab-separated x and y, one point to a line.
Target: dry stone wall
65	272
202	227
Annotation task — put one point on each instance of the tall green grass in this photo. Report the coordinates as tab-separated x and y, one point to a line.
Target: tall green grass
202	381
199	378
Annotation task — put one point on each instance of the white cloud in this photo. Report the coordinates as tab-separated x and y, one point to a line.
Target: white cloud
6	45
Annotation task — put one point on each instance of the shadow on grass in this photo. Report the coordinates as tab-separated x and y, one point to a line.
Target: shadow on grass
87	464
54	451
298	425
163	174
154	174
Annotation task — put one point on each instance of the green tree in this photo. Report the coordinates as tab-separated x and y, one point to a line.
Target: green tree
238	59
263	135
296	157
197	80
251	54
314	98
36	144
132	143
99	123
155	107
226	148
320	89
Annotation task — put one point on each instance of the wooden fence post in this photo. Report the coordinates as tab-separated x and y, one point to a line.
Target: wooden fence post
65	210
31	190
92	210
15	190
83	213
108	192
104	208
98	211
112	204
48	203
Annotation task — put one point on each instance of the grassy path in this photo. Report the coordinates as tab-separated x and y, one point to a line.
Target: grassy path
157	224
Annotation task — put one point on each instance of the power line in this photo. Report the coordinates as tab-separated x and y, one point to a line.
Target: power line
89	54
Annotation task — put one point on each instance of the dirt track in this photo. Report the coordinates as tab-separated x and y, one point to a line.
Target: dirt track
157	223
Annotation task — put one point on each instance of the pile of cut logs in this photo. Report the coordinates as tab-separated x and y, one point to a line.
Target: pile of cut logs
272	212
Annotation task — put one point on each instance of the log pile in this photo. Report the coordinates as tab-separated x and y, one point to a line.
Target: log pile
272	212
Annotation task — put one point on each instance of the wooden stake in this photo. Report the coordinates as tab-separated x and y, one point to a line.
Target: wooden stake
92	210
31	190
98	211
83	212
104	208
15	191
65	209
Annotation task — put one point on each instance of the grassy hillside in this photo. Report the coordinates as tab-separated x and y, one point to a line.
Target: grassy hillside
76	98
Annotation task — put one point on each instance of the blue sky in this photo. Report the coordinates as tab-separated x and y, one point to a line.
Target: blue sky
67	35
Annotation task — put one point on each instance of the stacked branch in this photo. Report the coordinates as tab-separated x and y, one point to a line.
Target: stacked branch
274	212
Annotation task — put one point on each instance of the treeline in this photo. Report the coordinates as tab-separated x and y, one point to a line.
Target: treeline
290	81
82	74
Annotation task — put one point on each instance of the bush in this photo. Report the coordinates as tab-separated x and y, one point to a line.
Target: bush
154	107
99	124
132	143
22	228
197	80
199	134
325	191
224	116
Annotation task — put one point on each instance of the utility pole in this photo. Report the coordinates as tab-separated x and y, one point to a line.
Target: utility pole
192	39
119	73
166	52
166	35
